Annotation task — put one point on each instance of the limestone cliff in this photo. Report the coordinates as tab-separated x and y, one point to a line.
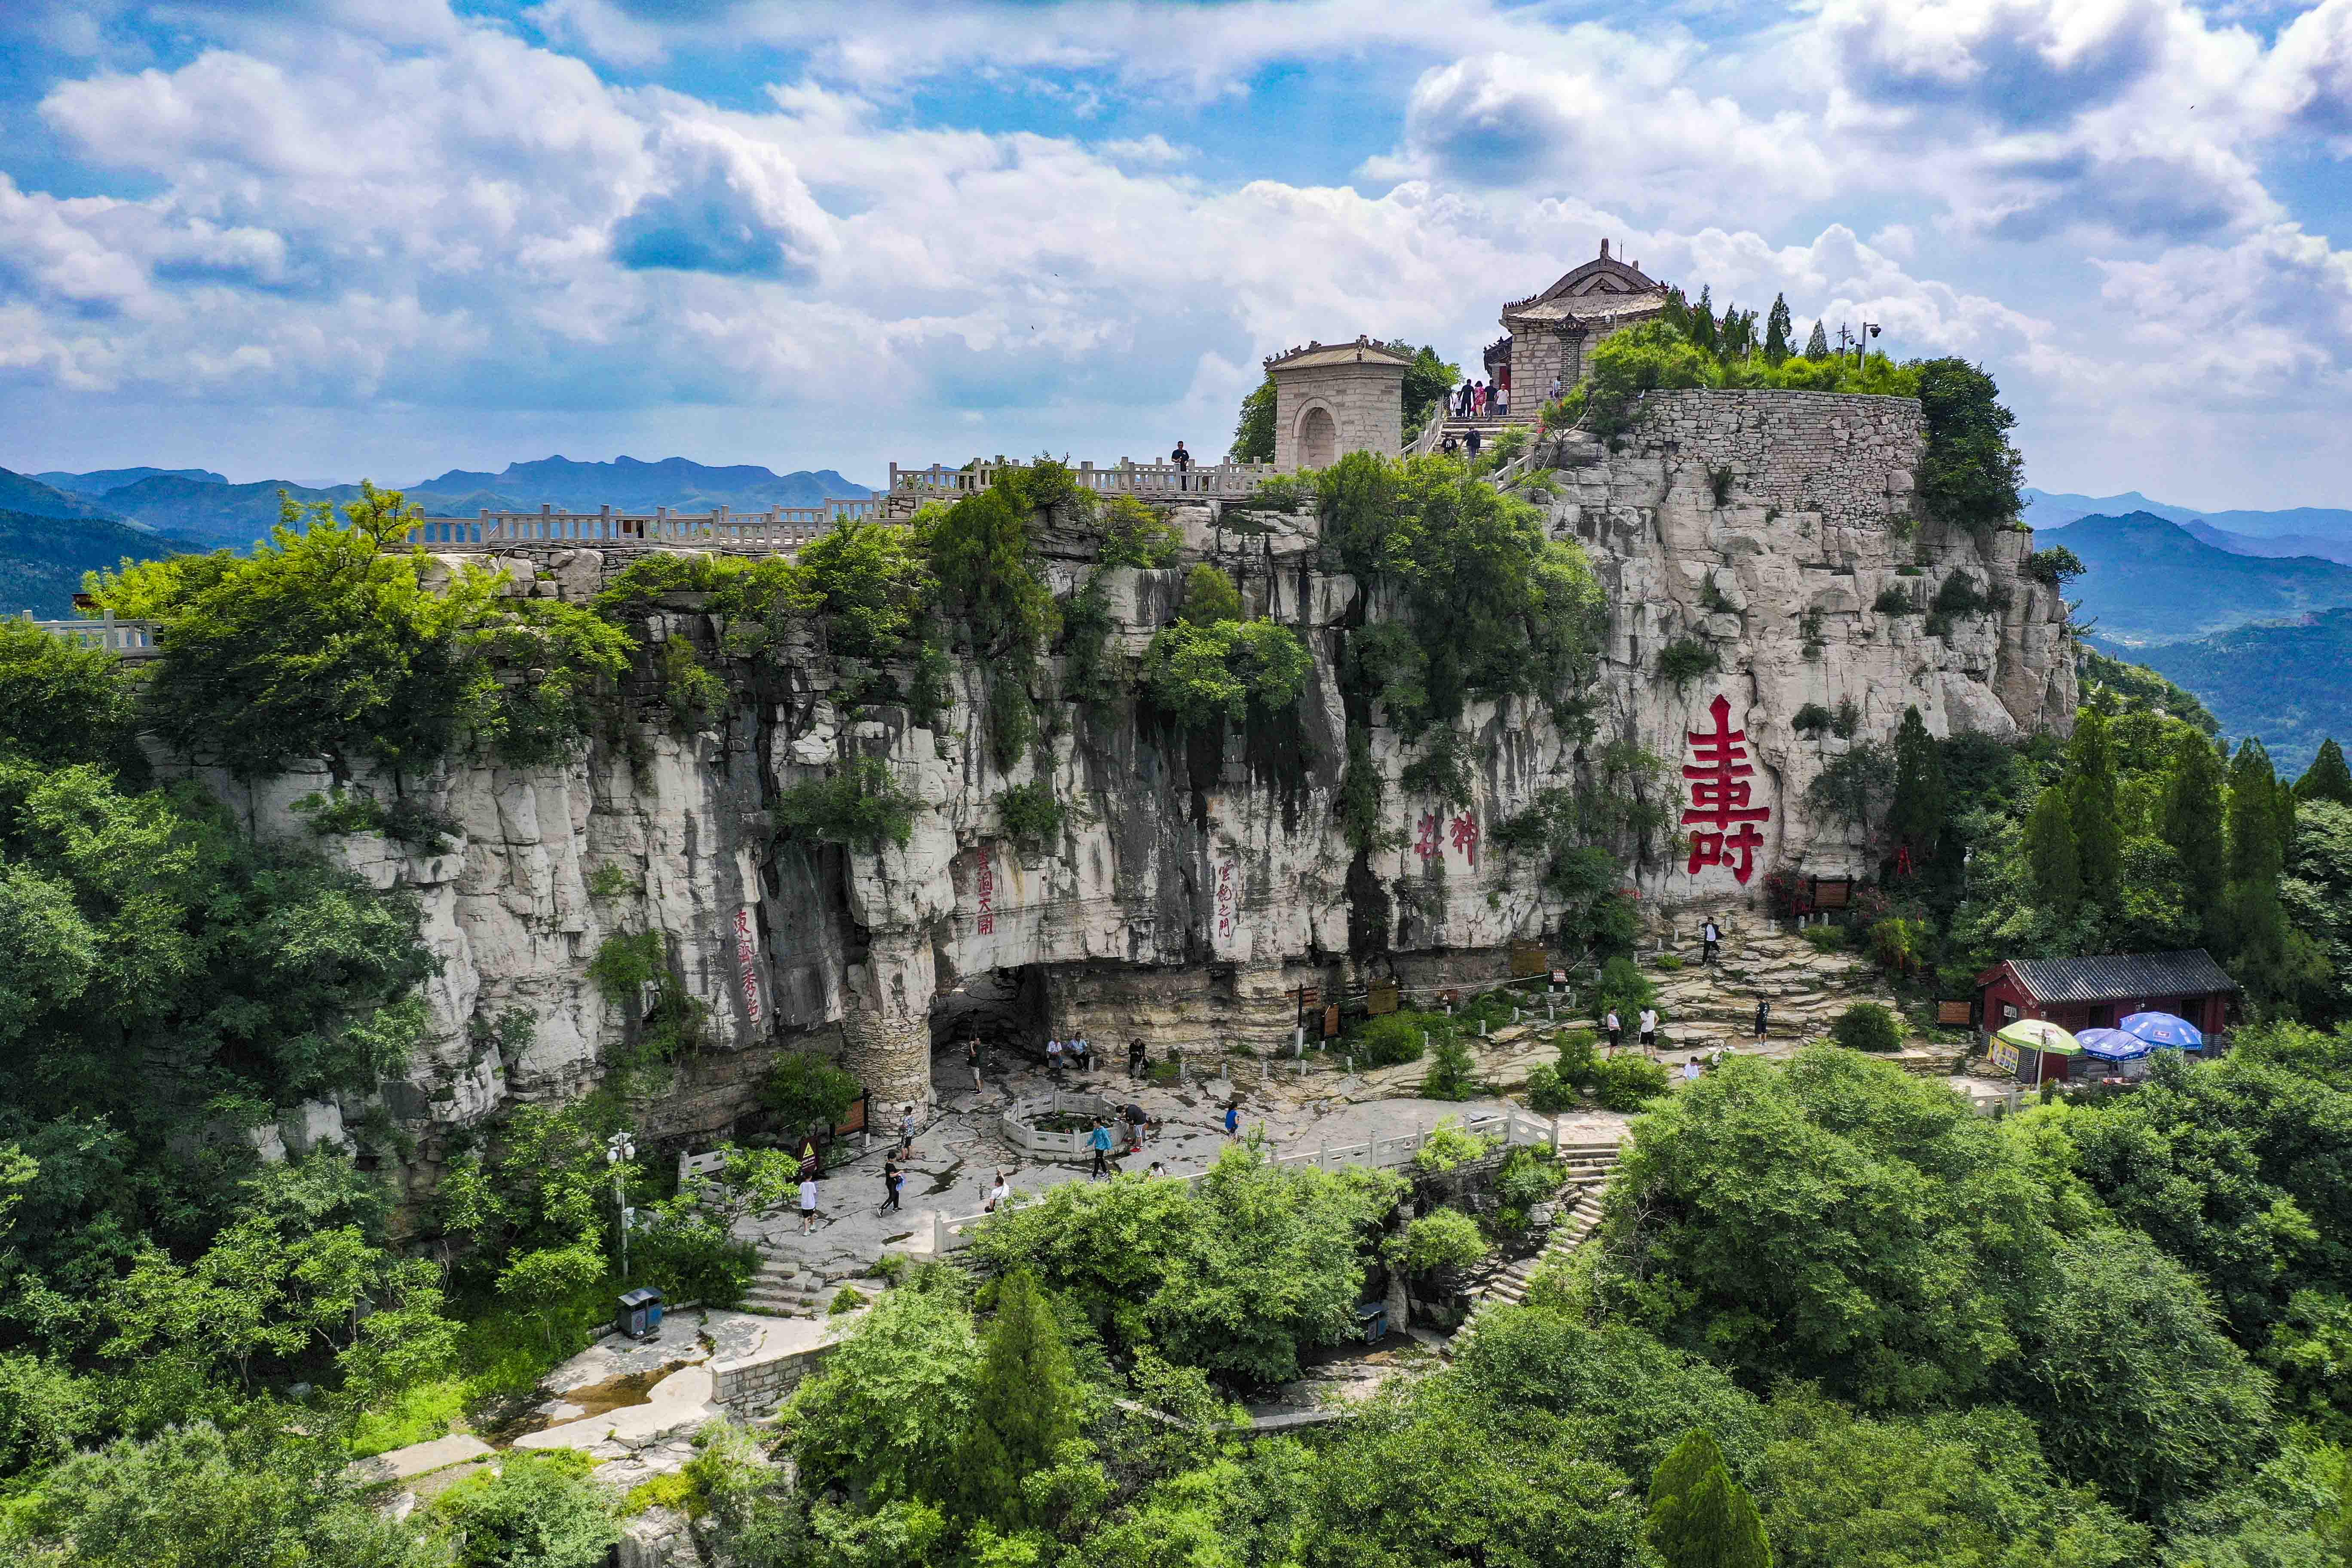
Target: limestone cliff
1192	889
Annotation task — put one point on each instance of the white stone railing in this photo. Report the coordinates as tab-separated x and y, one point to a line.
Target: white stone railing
131	640
777	529
941	482
1511	1125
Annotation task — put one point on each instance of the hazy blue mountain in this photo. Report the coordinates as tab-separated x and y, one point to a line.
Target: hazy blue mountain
23	493
2048	508
2150	580
673	482
94	485
2283	684
2276	544
42	558
240	514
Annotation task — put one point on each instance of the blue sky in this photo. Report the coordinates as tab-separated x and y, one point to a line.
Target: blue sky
394	236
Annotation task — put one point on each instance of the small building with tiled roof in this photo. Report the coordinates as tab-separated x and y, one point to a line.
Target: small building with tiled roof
1330	399
1552	334
2077	994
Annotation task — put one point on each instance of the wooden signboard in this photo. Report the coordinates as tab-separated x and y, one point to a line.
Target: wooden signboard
1832	892
1331	1022
1528	958
1383	999
1309	998
1959	1012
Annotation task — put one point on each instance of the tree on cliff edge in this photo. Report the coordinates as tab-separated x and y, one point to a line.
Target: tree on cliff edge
1970	473
1777	328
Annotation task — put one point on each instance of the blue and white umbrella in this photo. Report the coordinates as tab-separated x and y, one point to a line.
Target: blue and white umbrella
2164	1029
2112	1045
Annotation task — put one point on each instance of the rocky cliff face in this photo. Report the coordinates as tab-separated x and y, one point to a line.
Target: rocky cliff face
1194	889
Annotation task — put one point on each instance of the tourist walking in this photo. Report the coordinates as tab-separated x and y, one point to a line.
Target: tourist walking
1137	1056
907	1133
1183	461
893	1179
1763	1017
808	1205
1470	443
998	1192
1498	398
1649	1028
1478	400
1078	1054
1234	1117
1099	1141
1615	1028
971	1058
1449	446
1553	396
1710	936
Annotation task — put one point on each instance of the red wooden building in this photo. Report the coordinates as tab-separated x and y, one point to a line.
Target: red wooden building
2077	994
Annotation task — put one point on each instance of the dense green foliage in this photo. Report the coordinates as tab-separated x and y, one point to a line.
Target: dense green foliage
1238	1275
1226	671
330	640
861	802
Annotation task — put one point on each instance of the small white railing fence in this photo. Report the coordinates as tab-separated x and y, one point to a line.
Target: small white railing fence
940	481
778	528
1512	1126
131	640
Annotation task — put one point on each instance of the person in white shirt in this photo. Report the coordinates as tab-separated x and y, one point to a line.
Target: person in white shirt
1616	1027
808	1205
1649	1027
1710	936
1690	1070
1053	1057
998	1192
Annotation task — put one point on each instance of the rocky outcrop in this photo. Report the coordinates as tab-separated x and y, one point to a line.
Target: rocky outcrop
1196	883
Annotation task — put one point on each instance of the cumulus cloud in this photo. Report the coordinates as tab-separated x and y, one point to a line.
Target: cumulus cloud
732	204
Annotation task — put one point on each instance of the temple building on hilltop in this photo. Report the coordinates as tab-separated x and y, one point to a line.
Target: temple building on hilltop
1551	334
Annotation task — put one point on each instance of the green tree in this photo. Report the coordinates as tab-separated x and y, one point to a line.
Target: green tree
1253	430
2274	959
2190	822
61	702
985	571
887	1415
537	1511
1969	475
1817	346
1868	1026
1777	331
1023	1406
1699	1517
2091	795
2328	778
2057	874
326	642
1210	596
1226	670
1426	383
1916	816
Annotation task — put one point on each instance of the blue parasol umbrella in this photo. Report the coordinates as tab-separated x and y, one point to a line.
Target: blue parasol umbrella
2112	1045
2164	1029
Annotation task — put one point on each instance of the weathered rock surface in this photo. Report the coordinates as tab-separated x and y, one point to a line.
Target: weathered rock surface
1194	887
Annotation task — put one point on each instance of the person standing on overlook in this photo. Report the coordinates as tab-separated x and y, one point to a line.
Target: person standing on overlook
1710	936
1615	1027
1649	1029
1183	461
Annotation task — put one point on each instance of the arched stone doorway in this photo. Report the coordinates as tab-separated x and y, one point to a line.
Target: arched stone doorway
1319	438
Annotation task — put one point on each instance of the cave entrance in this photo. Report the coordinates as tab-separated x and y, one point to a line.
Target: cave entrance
1006	1007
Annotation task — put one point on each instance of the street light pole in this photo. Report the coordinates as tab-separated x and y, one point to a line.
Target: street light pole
619	1149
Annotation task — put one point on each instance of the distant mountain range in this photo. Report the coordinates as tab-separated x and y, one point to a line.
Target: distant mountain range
2285	684
2154	581
43	556
2323	531
203	505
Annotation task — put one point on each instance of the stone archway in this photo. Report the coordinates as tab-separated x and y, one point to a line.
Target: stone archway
1319	438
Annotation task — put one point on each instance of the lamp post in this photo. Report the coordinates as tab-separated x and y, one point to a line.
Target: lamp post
619	1149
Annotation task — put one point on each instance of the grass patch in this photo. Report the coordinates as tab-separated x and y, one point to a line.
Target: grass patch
421	1413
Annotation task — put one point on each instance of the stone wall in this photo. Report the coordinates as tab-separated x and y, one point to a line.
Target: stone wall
1365	403
756	1384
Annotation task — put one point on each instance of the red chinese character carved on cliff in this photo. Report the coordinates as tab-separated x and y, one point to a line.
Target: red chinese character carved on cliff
1725	823
1428	843
1465	835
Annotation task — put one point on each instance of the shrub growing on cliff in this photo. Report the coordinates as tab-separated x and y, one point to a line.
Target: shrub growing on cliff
805	1090
1442	1239
1627	1083
1969	475
1685	659
328	642
862	804
1030	813
1210	596
1200	674
1133	535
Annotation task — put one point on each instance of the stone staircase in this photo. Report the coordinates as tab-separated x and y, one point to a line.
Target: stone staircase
785	1287
1590	1166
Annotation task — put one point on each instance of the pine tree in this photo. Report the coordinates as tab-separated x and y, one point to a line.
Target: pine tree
2091	792
1700	1517
2192	822
2328	778
1818	345
1916	816
2256	853
1023	1406
2050	853
1777	328
1702	319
